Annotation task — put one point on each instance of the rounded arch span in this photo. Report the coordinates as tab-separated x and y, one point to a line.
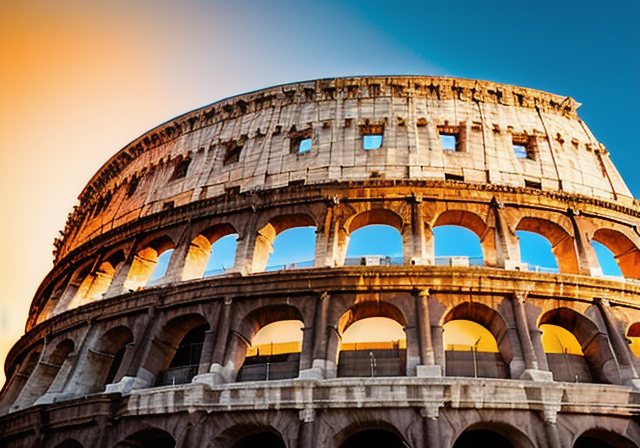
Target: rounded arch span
562	242
497	365
474	223
94	367
267	234
625	252
97	281
381	216
600	360
370	433
199	251
167	340
259	317
148	438
69	443
249	436
364	310
145	261
602	438
494	434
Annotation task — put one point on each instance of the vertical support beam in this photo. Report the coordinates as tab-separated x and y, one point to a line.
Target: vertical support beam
416	254
588	263
428	365
207	351
522	326
507	247
120	276
178	257
306	431
431	426
620	349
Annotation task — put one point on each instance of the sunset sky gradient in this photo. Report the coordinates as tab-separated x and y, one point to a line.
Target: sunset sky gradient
81	79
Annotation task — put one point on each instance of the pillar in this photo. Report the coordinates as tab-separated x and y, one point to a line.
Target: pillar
306	431
506	242
588	263
418	251
620	348
431	427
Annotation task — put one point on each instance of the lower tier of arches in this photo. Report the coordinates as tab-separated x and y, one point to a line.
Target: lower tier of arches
341	413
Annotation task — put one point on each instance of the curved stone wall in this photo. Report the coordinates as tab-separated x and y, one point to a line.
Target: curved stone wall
113	359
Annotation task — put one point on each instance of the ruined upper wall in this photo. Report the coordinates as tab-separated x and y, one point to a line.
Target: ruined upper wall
249	142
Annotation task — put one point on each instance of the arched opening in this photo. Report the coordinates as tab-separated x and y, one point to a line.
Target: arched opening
625	252
274	336
69	443
472	351
293	249
562	243
633	336
374	438
457	246
462	238
607	260
476	342
594	345
482	437
564	354
44	374
264	439
535	252
96	283
373	341
17	379
599	438
186	361
211	252
176	350
147	267
148	438
93	370
373	245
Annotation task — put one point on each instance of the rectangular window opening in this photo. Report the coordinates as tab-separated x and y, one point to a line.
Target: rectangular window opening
450	137
372	141
304	145
181	169
301	141
455	177
533	184
523	146
233	154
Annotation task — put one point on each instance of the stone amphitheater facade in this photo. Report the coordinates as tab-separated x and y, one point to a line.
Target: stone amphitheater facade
339	155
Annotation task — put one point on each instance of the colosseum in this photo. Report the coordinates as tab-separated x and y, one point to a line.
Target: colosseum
136	338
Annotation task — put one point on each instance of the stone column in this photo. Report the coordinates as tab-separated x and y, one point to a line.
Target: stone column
306	436
178	258
207	351
428	365
418	251
431	426
532	370
588	263
217	374
507	245
120	276
318	352
628	373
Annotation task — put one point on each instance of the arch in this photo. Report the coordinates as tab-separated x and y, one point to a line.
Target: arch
373	240
93	369
249	436
380	216
148	438
293	248
262	366
69	443
600	362
264	439
536	252
493	434
562	242
473	222
267	234
200	250
16	380
601	438
633	334
44	373
474	362
145	262
625	252
374	358
186	360
96	282
564	354
167	341
370	434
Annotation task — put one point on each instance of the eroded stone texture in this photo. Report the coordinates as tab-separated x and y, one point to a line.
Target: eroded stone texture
92	369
